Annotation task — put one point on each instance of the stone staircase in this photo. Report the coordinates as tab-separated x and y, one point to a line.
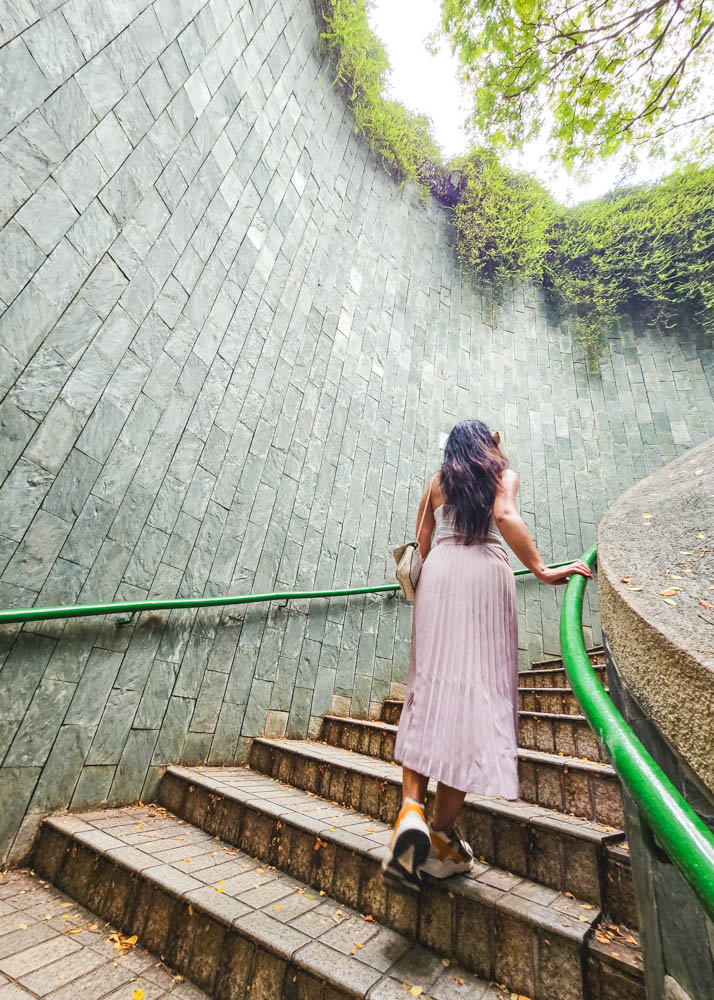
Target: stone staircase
263	881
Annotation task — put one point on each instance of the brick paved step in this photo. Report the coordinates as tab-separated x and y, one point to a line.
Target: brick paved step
50	945
551	847
539	691
551	673
540	728
334	849
559	700
587	788
239	929
555	733
560	853
596	654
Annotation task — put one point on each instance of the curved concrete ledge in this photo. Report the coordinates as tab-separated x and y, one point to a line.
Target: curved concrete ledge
657	537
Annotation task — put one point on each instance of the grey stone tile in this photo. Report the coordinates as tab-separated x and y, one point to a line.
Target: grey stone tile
20	257
101	84
21	495
40	383
24	79
68	112
81	175
74	331
94	232
113	729
47	216
156	694
131	772
40	725
56	436
37	551
16	429
97	679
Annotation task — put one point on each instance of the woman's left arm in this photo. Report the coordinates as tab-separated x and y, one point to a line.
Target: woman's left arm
427	525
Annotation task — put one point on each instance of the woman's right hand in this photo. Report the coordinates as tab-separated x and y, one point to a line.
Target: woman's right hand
559	576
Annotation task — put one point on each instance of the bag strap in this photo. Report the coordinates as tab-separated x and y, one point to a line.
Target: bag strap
423	513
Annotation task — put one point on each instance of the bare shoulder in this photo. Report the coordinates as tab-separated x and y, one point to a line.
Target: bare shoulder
434	488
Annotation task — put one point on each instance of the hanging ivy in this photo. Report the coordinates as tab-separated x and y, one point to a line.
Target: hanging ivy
648	248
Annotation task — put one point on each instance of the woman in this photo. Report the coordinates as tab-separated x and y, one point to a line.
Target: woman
459	724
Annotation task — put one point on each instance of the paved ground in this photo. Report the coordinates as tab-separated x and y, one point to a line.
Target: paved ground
52	948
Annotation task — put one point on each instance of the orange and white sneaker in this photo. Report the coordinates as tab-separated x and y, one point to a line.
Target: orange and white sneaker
408	848
449	855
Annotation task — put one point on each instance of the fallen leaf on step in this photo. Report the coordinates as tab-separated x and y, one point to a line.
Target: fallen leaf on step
670	592
668	600
138	994
416	991
357	944
459	980
625	579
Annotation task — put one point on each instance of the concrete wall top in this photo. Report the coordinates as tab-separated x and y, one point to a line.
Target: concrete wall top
656	582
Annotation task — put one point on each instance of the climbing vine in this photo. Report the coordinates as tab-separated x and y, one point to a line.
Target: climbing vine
648	248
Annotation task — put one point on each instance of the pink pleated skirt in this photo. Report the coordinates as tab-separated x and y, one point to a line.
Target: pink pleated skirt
459	724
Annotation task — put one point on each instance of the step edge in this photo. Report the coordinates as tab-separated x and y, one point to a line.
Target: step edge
231	924
459	885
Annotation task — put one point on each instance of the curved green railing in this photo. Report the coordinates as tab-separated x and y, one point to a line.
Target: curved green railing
13	615
688	843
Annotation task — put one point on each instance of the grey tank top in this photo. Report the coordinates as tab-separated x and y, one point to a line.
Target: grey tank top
445	528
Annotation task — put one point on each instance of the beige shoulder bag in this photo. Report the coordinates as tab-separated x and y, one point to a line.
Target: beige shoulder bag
408	558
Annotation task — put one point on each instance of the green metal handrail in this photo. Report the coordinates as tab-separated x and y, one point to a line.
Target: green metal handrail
13	615
686	840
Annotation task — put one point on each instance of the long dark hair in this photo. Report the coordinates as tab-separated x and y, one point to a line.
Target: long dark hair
470	475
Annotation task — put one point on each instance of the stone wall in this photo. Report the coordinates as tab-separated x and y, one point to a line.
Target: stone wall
230	345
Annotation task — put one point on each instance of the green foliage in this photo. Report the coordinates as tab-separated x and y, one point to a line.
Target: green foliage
403	140
602	75
649	247
503	219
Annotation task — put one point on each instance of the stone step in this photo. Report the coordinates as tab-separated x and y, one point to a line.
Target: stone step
558	700
540	727
586	788
554	733
551	673
53	946
475	918
596	654
547	845
240	929
558	852
555	677
532	697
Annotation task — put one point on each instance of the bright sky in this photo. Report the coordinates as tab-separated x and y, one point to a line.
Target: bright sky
428	85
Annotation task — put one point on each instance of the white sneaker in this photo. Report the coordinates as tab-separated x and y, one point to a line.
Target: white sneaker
408	848
448	855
